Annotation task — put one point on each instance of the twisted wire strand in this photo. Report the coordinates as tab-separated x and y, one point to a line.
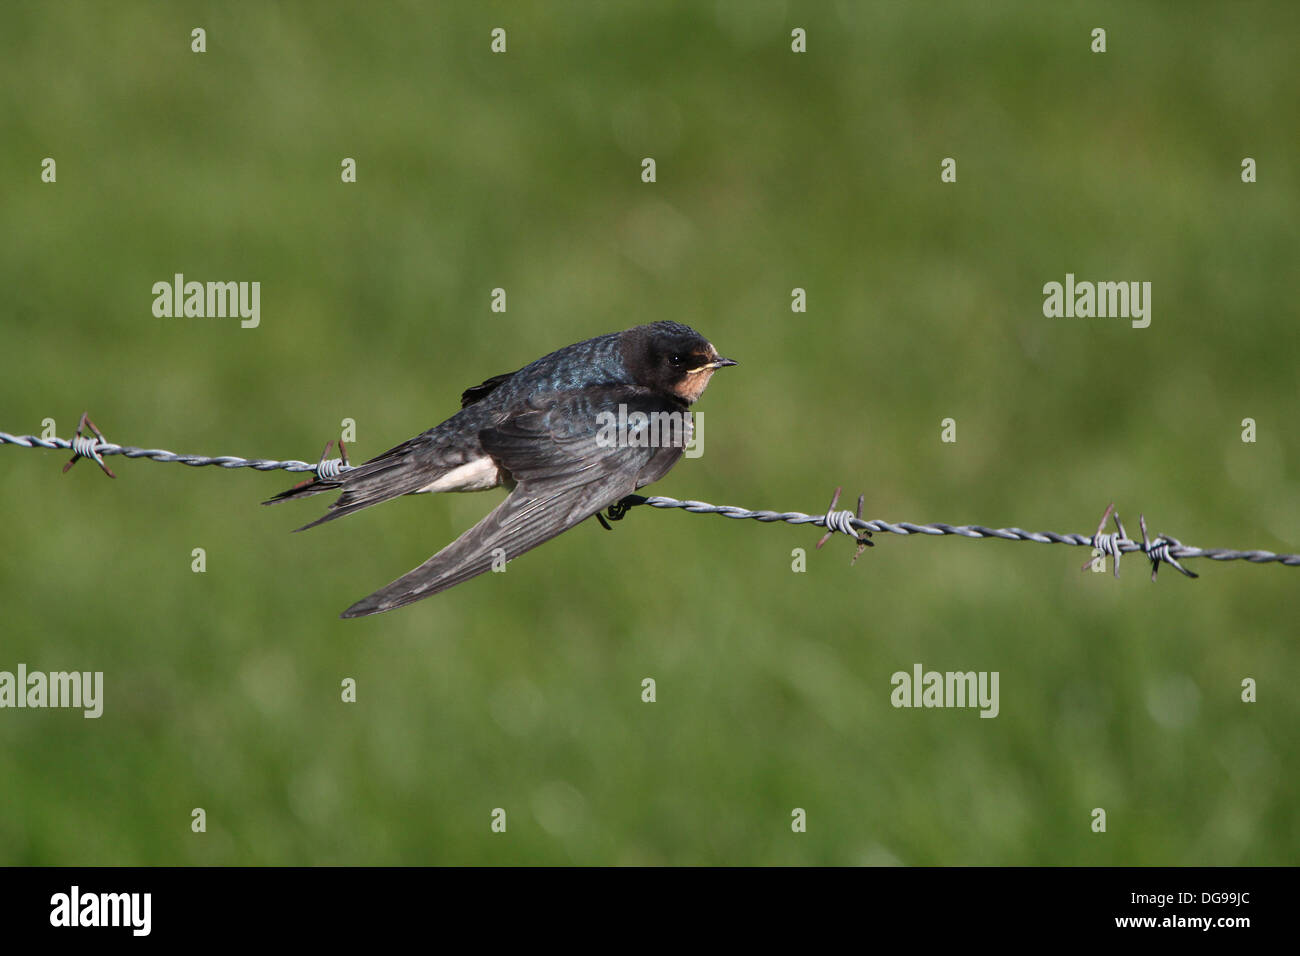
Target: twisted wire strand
1163	550
1106	544
87	447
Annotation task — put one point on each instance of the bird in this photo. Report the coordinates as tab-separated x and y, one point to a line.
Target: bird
568	435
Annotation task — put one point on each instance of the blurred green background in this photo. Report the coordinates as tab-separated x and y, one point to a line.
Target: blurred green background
775	170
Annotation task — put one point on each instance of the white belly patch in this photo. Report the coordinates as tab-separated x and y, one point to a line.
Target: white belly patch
478	475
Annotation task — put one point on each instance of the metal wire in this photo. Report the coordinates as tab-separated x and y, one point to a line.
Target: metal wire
92	448
1162	550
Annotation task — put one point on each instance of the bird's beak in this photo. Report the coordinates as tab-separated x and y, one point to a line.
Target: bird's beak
721	362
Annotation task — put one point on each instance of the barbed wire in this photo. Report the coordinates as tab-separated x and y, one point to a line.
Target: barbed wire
99	448
1163	549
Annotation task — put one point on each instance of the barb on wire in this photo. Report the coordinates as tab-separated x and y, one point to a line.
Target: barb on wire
842	521
84	447
1164	549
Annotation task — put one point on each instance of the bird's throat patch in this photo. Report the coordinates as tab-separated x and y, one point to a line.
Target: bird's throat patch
690	388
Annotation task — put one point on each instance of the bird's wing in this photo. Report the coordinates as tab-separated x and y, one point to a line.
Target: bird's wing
566	468
476	393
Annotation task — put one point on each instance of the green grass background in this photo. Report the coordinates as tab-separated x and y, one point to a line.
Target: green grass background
775	170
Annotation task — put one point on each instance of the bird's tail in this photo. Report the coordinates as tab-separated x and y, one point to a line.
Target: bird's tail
391	475
311	487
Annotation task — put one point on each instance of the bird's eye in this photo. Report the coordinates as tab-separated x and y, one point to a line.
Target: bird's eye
676	359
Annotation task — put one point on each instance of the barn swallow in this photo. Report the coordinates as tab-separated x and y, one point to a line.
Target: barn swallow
544	433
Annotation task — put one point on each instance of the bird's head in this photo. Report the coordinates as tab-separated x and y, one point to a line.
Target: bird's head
673	358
